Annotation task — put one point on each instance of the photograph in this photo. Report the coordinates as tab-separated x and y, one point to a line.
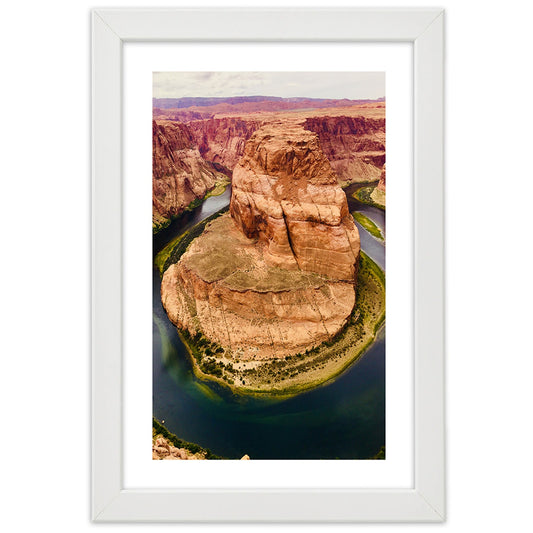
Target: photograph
268	222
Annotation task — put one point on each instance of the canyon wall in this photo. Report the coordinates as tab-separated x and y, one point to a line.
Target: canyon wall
180	175
354	145
378	195
381	184
189	158
222	140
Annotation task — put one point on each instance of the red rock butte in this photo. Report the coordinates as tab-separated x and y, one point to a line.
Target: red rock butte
286	194
277	275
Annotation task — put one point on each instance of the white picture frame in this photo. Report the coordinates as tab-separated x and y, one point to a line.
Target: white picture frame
111	502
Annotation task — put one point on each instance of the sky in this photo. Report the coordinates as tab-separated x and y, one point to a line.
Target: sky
335	85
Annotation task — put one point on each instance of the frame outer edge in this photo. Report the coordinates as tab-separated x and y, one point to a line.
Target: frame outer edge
267	506
110	27
269	24
429	266
106	373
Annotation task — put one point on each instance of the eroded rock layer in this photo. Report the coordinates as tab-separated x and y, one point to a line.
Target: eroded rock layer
222	140
378	195
382	179
355	146
276	275
224	288
286	194
180	174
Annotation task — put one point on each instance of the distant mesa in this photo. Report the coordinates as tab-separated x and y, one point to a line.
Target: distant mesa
271	103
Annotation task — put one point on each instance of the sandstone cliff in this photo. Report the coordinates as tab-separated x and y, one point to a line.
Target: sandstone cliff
286	194
355	146
381	184
222	140
378	195
179	173
277	276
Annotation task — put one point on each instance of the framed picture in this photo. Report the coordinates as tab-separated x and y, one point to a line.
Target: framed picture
247	319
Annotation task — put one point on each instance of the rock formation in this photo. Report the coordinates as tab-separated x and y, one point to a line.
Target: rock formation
277	275
286	194
163	450
381	184
189	158
355	146
179	173
378	195
222	140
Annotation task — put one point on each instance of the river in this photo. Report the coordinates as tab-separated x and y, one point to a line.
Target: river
343	419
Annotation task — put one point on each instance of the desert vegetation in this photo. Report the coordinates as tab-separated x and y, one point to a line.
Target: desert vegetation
366	195
369	225
172	252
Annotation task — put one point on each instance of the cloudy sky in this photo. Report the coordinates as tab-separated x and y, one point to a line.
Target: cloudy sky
352	85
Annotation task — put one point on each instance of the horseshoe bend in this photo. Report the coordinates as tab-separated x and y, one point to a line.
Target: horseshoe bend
276	296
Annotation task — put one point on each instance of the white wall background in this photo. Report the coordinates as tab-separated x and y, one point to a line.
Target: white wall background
44	291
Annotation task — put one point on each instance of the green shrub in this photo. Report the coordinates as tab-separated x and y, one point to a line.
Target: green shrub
189	236
159	429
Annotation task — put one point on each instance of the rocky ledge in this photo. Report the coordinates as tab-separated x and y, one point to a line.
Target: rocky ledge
277	275
164	450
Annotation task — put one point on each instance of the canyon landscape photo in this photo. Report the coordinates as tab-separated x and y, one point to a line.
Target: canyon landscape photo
268	222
